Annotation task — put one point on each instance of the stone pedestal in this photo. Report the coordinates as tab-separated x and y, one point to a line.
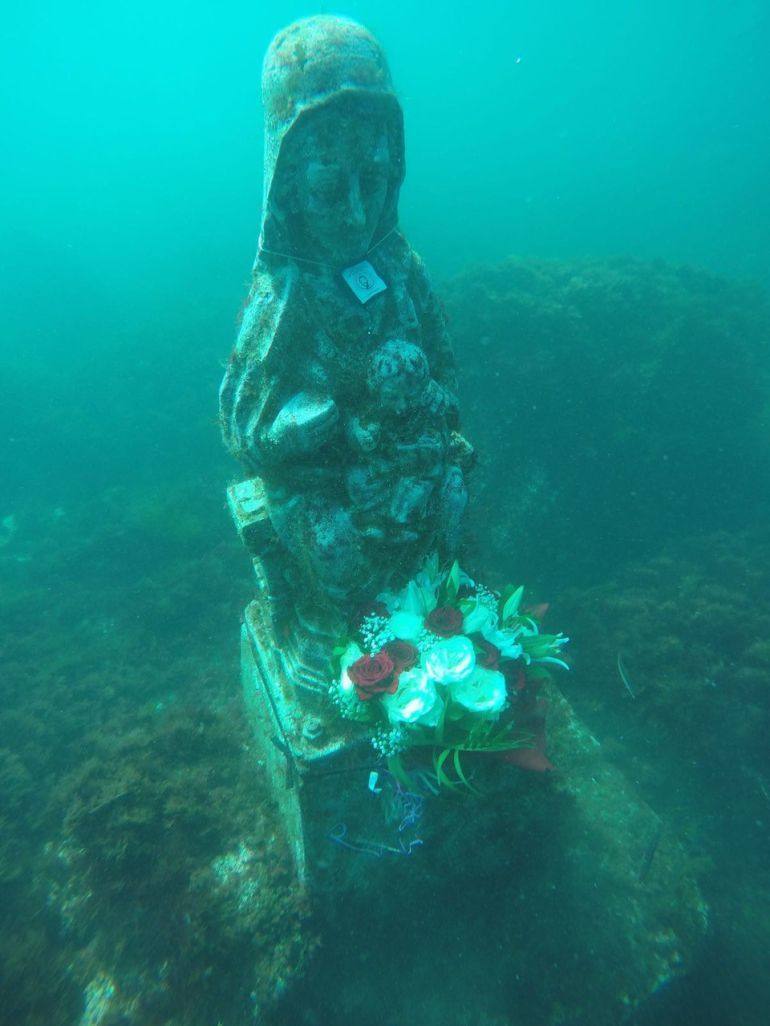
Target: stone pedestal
308	759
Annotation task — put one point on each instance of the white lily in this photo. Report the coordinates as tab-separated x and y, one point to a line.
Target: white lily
506	640
466	579
479	618
418	598
429	577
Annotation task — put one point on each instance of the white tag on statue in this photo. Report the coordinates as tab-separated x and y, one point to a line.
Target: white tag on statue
363	280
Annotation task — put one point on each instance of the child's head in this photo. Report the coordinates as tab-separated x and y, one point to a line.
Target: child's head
398	375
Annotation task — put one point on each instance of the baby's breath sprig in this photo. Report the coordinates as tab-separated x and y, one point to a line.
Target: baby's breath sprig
375	633
389	741
487	597
425	640
348	705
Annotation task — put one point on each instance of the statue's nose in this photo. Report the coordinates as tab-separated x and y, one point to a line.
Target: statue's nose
356	213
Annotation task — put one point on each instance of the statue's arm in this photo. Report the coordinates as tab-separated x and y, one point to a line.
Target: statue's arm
267	414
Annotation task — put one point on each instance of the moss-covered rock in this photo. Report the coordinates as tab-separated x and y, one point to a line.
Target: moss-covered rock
174	877
128	779
691	730
613	403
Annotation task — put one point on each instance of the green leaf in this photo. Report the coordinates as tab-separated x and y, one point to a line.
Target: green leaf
438	732
453	582
505	594
438	765
459	771
447	593
511	606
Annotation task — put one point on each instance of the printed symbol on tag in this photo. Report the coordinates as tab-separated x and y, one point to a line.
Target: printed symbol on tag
363	281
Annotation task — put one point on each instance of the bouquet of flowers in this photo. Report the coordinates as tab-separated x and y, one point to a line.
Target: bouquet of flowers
445	665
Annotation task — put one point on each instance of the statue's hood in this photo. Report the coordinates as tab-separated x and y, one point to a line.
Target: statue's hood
315	63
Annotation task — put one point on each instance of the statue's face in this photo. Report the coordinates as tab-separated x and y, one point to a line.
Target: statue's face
341	185
398	375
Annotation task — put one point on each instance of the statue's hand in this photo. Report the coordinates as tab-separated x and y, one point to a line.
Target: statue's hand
363	435
435	399
304	424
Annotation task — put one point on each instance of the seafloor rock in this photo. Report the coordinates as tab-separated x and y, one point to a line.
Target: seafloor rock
689	629
651	916
176	895
608	400
690	727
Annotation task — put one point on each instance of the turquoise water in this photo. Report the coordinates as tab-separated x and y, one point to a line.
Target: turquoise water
131	190
587	183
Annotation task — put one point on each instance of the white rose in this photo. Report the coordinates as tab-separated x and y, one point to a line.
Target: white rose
482	691
406	626
416	701
450	660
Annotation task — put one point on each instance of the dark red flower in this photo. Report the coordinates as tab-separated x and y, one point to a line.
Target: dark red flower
514	675
445	621
373	675
487	654
403	654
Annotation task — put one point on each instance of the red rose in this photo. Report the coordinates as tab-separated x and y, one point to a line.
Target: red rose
403	654
373	675
445	621
487	654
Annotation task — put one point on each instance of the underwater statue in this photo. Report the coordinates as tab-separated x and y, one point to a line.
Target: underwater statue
340	397
340	400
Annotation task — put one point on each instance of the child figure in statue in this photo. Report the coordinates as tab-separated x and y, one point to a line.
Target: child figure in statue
399	440
341	394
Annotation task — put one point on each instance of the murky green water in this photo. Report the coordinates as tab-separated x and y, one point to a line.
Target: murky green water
587	183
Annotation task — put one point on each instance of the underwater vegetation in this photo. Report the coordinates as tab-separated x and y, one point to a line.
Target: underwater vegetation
690	625
138	848
176	878
612	401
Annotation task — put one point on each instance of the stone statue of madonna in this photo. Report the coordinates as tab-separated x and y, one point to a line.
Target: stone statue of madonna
340	395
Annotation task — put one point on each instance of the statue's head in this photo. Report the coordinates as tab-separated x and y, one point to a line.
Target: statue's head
334	147
398	375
